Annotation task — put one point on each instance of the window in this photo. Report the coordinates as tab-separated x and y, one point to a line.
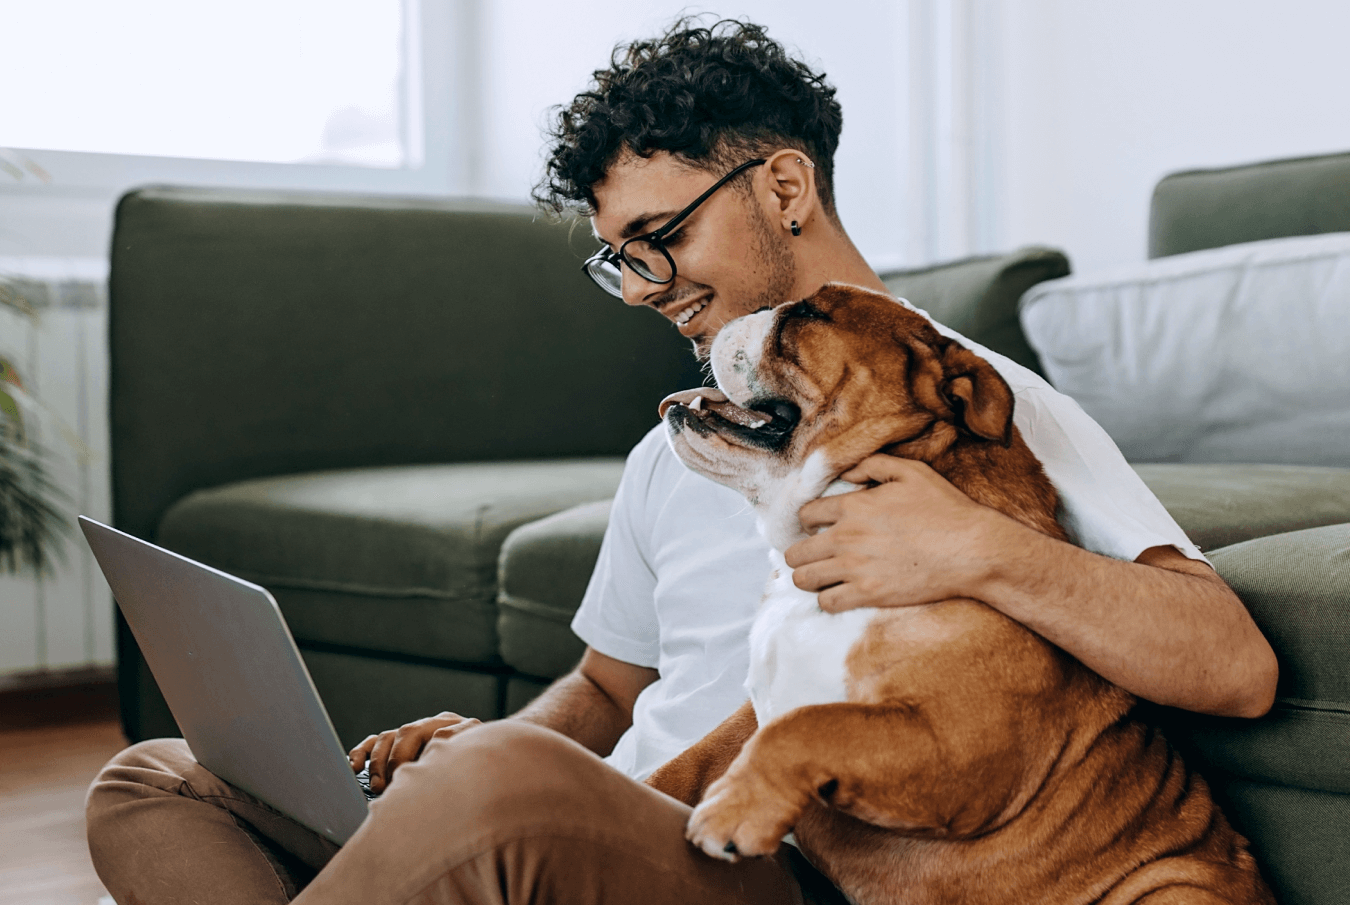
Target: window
303	93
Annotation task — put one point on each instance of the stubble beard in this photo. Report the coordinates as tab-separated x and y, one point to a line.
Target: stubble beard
771	247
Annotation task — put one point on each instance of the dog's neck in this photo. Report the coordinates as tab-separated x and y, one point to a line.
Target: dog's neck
1020	491
1008	479
779	516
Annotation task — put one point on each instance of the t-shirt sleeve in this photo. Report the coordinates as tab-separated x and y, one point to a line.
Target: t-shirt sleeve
1107	507
617	616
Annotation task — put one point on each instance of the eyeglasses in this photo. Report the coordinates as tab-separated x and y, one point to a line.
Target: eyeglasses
647	255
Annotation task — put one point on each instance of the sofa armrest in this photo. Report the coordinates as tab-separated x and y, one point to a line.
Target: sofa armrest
1198	209
1285	778
543	571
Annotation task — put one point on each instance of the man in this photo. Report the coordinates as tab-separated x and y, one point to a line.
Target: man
705	160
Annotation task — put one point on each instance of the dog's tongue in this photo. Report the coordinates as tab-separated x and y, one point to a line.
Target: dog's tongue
687	397
713	400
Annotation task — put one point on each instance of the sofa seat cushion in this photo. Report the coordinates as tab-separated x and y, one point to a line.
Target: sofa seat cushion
545	567
1221	504
401	560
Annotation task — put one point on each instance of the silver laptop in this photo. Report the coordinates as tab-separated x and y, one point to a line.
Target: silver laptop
234	680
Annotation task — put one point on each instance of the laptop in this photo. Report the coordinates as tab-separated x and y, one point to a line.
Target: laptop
233	678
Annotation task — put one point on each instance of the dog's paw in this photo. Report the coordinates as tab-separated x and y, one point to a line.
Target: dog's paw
740	817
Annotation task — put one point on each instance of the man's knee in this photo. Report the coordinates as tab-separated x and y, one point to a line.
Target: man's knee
513	742
156	768
160	763
507	752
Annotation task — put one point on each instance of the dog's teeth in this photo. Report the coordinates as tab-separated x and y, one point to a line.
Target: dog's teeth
697	404
758	424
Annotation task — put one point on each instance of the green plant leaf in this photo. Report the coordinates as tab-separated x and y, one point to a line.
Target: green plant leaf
33	525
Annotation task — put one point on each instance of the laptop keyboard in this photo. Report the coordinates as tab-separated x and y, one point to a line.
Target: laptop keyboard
363	779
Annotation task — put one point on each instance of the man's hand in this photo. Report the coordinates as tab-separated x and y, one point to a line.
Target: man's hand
1163	627
395	747
592	705
910	540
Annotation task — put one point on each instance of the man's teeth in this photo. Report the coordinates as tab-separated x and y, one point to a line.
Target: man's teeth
683	317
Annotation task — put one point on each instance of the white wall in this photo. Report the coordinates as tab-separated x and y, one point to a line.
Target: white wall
970	125
1102	98
538	55
502	63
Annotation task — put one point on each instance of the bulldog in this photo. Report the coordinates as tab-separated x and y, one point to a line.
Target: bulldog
930	754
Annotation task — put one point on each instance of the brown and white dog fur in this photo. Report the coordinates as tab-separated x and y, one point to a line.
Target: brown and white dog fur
938	753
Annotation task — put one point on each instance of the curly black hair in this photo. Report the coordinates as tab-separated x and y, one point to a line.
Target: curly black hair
714	96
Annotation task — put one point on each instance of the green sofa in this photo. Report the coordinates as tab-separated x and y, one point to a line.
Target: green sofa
406	418
352	401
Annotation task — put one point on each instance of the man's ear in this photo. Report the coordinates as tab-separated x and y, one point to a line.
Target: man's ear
792	182
978	394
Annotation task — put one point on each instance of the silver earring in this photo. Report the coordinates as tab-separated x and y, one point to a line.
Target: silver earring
806	163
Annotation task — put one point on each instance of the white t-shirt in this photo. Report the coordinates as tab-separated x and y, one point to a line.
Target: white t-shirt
683	564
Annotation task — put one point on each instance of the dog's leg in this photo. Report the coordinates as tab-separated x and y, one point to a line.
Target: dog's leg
881	763
687	776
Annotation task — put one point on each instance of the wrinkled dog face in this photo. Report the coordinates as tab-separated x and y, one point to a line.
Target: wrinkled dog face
810	388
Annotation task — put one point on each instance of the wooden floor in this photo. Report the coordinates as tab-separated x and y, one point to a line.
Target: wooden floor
50	749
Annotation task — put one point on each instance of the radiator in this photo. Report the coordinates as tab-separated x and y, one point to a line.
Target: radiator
63	619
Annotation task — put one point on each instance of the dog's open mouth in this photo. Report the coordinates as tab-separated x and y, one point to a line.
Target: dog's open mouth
707	409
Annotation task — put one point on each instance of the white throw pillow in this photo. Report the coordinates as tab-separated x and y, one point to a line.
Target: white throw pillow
1234	354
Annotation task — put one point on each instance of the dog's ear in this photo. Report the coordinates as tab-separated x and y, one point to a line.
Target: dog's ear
978	394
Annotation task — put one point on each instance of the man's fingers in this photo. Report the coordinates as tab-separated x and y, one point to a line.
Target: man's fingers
456	728
820	513
810	550
879	469
818	576
361	753
408	744
839	598
379	760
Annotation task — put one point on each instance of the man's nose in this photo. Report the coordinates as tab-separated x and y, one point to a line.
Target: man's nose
636	290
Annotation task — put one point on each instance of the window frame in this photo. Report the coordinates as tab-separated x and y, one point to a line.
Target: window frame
434	135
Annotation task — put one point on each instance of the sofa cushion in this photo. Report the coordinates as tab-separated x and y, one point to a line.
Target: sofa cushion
1236	354
401	560
544	569
1221	504
1286	776
977	297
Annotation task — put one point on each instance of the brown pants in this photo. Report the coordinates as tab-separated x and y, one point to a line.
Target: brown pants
504	813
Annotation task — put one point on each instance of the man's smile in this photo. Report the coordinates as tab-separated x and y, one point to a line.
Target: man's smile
686	315
684	311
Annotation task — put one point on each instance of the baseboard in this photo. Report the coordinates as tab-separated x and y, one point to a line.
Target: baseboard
51	697
39	679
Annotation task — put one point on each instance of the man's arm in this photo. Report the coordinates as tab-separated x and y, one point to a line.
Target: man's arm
593	705
1164	627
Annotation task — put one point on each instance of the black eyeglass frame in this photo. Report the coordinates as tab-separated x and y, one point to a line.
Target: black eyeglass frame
618	258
